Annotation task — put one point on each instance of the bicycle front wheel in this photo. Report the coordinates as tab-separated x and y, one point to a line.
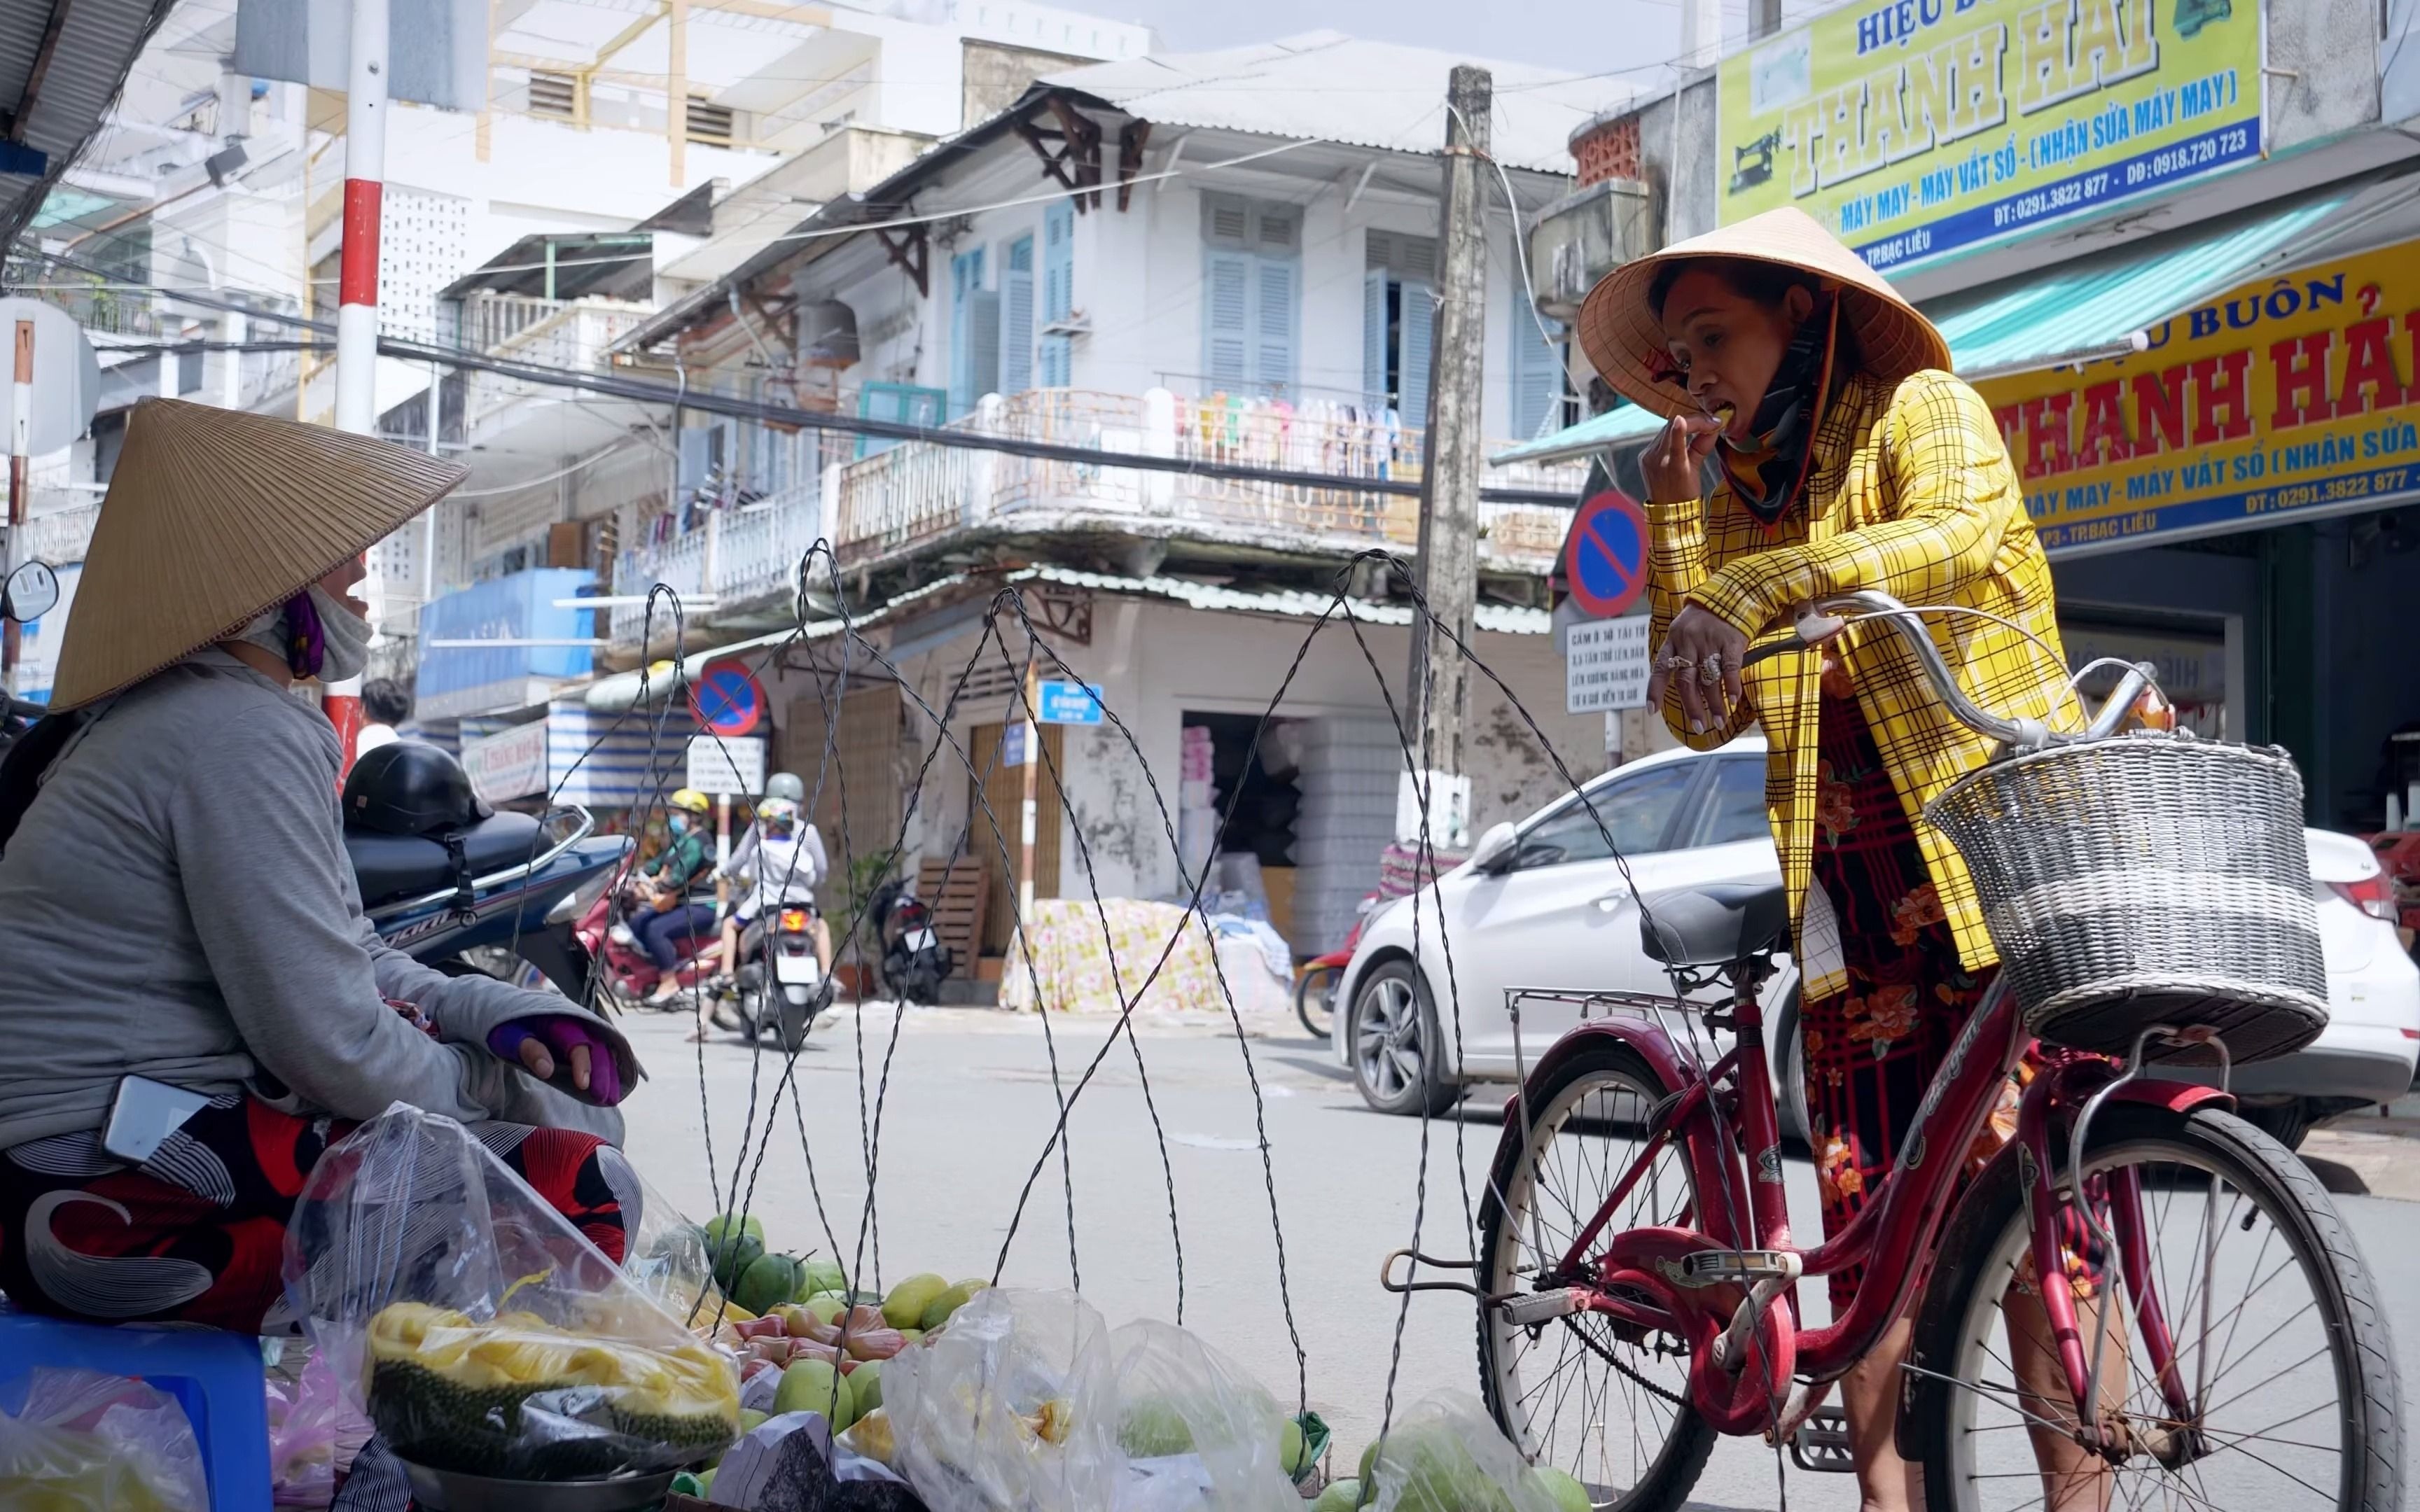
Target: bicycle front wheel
1605	1402
2251	1368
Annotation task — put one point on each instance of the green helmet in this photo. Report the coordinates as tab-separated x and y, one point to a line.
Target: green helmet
786	785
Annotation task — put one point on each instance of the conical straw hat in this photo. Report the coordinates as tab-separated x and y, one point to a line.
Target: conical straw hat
1624	341
214	517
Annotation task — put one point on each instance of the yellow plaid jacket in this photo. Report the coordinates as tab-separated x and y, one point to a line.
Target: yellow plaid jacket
1912	492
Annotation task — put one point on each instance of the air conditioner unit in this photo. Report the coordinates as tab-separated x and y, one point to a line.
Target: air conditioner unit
1583	236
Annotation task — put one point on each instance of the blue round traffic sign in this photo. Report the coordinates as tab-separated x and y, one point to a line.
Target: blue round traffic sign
728	700
1604	558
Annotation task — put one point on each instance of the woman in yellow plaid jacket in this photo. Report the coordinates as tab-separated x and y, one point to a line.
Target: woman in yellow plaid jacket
1842	454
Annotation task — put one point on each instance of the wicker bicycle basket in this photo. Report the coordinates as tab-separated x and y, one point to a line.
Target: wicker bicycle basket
2147	879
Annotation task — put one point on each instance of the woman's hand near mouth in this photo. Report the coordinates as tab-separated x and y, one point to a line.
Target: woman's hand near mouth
1673	458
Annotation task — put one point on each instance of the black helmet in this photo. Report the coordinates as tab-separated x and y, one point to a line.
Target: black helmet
410	787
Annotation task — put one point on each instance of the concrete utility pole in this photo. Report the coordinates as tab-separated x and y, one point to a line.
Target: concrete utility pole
357	288
1449	539
1763	18
1701	31
20	470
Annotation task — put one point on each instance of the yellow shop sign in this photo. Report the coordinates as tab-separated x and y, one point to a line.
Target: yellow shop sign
2293	394
1916	127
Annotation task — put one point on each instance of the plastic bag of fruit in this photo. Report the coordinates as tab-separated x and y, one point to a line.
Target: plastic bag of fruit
1012	1408
1446	1455
482	1333
1196	1430
83	1441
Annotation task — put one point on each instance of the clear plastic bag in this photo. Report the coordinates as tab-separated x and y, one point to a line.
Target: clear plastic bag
1446	1455
1180	1400
313	1433
84	1441
482	1333
1010	1409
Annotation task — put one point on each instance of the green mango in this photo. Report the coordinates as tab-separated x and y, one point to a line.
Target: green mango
821	1275
1153	1429
1339	1496
938	1311
767	1283
816	1387
1293	1454
1568	1493
865	1386
904	1306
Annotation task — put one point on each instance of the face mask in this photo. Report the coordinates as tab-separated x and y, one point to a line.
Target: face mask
678	823
345	638
316	636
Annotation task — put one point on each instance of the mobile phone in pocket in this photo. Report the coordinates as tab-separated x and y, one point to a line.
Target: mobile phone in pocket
144	1114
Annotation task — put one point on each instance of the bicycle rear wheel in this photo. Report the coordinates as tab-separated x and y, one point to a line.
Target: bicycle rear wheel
1608	1405
2280	1352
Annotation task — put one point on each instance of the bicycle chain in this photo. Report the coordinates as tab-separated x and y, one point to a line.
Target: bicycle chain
1595	1348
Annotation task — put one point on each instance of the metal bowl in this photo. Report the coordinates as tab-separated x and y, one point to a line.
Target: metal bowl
449	1490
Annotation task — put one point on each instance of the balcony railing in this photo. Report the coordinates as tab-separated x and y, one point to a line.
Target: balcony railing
915	492
918	492
740	547
573	333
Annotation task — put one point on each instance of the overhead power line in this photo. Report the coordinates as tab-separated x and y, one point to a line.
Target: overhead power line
645	391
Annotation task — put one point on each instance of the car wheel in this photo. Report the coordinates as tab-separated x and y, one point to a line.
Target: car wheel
2286	1123
1394	1039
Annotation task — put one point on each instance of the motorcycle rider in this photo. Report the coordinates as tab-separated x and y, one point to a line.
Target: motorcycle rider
783	856
669	884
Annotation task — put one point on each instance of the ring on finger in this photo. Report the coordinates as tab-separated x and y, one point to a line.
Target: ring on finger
1709	670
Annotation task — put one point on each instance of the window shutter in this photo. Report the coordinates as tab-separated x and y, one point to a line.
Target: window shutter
1273	324
965	282
1373	335
983	340
1227	296
1537	373
1418	337
1226	221
1058	291
1017	318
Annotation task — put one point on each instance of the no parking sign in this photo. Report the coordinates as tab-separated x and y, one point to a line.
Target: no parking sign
1604	557
728	700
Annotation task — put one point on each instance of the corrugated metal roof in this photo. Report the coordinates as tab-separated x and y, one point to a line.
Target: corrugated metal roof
1326	86
2096	308
97	42
611	695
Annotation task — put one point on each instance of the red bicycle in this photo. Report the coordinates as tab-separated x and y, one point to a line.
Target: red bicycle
1638	1276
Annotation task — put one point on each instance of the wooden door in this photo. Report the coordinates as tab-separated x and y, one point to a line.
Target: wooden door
855	804
1002	791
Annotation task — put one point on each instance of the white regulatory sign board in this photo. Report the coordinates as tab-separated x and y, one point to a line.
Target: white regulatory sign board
725	766
510	763
1604	665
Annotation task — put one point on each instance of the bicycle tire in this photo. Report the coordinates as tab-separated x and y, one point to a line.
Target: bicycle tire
2279	1187
1329	976
1676	1467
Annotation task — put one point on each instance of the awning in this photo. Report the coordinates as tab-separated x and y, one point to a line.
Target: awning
2097	307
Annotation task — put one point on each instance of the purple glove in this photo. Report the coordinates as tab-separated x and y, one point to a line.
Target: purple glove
560	1033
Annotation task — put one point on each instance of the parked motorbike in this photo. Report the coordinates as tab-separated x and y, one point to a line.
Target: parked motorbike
1314	989
786	1000
499	897
915	962
626	977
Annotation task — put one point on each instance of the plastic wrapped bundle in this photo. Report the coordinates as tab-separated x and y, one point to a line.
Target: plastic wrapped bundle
479	1330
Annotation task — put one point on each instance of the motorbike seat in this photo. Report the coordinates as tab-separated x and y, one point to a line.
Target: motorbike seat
1715	925
392	867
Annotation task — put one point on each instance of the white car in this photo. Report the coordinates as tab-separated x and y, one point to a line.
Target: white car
1554	911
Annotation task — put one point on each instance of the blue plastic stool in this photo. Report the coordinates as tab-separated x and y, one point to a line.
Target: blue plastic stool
216	1377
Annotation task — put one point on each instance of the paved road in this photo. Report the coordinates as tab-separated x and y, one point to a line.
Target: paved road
968	1112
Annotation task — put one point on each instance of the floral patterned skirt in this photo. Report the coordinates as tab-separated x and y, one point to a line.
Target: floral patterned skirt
1874	1046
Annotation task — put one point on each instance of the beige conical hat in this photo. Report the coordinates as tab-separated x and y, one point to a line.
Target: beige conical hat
214	517
1624	341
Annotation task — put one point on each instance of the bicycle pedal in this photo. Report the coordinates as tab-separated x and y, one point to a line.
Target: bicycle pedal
1821	1442
1542	1307
1716	1267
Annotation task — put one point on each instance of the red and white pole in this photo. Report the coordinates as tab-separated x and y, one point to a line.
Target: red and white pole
20	430
357	284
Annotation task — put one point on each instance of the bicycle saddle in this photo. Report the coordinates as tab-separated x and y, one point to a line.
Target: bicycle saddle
1715	925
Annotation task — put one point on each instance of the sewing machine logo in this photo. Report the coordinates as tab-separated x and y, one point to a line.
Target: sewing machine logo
1752	164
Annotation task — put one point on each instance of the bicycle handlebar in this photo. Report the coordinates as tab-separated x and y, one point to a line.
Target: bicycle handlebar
1831	615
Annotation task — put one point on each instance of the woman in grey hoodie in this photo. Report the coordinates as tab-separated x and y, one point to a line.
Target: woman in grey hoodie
177	905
